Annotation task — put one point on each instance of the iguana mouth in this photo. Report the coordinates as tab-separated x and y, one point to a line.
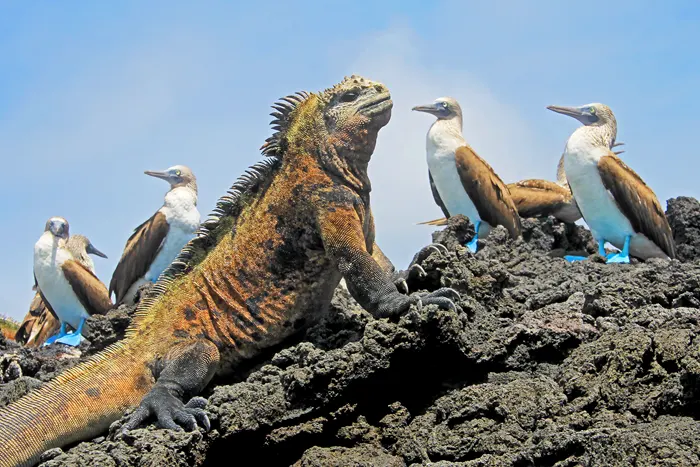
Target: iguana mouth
377	106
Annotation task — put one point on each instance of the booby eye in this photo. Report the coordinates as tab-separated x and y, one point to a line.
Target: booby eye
348	96
444	105
591	110
178	173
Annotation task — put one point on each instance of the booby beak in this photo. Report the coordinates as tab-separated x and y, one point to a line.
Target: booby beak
430	108
575	112
59	229
162	175
91	250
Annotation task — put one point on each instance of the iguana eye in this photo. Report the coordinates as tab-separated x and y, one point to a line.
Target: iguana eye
348	96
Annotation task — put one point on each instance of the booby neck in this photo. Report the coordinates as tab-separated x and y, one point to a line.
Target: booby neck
586	139
445	135
180	195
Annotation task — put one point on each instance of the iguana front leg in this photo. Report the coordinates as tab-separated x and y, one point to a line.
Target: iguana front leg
371	286
186	370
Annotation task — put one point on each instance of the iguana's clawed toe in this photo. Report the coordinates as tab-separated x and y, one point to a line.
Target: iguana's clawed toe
444	298
170	412
401	285
417	268
427	250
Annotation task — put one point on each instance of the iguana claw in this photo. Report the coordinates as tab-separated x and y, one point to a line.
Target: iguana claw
169	411
443	298
400	277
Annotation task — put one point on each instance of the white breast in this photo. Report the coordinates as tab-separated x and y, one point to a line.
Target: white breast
183	217
441	162
597	205
48	258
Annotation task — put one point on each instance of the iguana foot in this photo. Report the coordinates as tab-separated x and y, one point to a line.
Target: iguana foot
170	412
444	298
415	269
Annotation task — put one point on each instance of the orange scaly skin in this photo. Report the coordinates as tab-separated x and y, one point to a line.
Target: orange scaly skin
262	269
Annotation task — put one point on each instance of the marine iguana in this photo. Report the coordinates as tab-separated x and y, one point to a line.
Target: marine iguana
263	267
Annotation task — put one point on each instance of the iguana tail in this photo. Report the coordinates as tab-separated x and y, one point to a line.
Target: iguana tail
79	403
441	221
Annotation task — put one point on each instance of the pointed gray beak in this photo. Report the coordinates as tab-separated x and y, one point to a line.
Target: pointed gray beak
431	108
94	251
161	175
570	111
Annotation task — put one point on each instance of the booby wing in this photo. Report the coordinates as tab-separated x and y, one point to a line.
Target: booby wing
140	251
38	324
436	196
637	202
487	191
535	198
91	292
43	300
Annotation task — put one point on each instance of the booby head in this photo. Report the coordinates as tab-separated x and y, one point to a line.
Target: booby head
594	114
600	126
81	242
58	227
444	108
176	176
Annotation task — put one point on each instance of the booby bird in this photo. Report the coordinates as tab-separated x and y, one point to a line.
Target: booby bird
537	197
41	321
67	287
155	243
615	202
461	181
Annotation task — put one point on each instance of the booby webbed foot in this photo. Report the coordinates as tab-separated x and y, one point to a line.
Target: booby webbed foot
74	338
623	256
61	333
472	244
618	258
574	258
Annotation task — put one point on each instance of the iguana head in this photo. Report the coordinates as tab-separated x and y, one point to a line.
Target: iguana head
343	121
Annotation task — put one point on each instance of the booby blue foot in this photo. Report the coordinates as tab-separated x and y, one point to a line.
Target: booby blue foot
74	338
574	258
623	256
62	332
471	245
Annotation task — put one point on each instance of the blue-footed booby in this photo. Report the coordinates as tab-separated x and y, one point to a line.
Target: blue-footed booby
461	181
41	321
615	202
541	198
155	243
66	286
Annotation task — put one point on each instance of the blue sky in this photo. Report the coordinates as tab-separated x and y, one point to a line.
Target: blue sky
94	93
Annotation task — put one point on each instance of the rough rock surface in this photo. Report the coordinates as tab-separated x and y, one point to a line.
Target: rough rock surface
549	363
